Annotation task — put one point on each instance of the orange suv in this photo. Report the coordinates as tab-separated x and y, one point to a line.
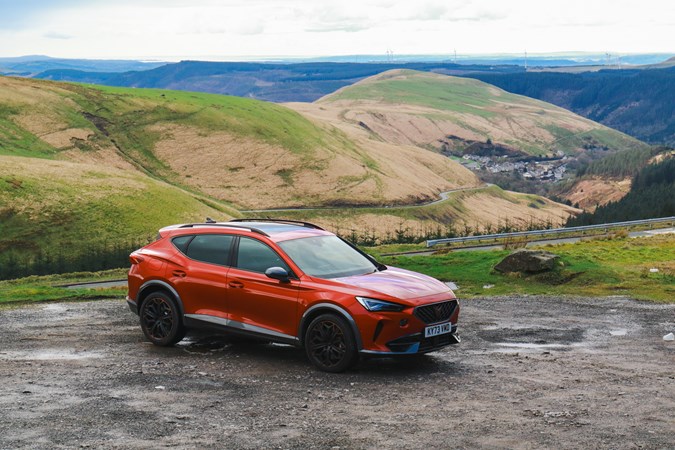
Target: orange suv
289	282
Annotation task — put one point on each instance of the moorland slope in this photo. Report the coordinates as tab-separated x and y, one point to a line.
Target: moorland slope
444	112
85	166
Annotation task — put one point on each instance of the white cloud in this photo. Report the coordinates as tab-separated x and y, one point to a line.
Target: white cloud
230	28
57	35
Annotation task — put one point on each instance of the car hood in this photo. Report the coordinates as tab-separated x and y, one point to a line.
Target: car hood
399	283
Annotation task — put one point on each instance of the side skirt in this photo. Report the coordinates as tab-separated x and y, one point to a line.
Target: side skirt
238	328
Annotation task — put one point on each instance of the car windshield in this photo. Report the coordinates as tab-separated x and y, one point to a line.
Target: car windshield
327	257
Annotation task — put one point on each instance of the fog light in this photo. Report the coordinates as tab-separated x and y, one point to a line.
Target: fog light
404	322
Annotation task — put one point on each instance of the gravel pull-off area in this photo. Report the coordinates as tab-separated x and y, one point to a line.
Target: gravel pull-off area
530	373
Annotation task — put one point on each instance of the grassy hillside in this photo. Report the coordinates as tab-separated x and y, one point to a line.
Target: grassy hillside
122	116
59	213
437	110
87	173
229	148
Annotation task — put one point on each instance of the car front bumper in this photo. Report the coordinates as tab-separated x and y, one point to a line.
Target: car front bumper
416	343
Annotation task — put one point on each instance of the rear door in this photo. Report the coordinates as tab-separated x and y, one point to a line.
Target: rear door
256	302
201	275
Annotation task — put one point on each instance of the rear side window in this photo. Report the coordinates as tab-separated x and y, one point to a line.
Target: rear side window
258	257
181	242
209	248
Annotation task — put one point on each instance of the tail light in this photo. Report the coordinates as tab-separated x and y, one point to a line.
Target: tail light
135	259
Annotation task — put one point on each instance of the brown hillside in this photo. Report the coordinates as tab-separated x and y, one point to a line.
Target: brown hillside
597	191
250	153
253	174
427	109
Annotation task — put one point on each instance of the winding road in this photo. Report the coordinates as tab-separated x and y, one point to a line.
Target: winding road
443	196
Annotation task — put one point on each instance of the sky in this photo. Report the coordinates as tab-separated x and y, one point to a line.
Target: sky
241	29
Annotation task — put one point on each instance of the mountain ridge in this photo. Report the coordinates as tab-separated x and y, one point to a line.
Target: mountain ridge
587	93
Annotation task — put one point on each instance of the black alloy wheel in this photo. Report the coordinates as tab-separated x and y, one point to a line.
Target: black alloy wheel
160	320
329	343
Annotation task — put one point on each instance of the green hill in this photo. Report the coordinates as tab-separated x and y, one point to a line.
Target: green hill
457	113
89	173
60	216
229	148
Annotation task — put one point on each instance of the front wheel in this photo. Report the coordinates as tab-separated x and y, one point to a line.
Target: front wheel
330	343
160	320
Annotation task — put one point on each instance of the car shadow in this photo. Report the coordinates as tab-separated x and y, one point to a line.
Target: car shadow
293	359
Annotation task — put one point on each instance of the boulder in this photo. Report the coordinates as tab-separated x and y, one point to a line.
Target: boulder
531	261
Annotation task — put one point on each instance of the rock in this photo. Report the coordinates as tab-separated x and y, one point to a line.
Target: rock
669	337
451	285
531	261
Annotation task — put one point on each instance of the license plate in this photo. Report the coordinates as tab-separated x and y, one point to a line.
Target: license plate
436	330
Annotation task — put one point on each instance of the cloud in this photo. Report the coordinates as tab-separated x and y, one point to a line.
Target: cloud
345	27
329	18
57	35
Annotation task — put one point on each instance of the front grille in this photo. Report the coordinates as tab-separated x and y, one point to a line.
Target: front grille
437	312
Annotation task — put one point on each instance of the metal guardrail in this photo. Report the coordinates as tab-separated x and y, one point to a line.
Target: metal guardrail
605	226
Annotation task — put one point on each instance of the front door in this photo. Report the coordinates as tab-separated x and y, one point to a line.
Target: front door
256	302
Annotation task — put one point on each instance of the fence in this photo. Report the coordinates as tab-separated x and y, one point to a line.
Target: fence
554	231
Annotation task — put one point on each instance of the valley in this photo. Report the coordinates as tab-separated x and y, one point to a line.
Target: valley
368	161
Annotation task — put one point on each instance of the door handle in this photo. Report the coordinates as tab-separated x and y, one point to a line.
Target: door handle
235	284
179	273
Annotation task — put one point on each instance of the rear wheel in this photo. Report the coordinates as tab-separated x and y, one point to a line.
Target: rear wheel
160	320
330	343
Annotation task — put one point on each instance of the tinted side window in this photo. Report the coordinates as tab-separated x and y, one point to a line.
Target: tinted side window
181	242
258	257
211	248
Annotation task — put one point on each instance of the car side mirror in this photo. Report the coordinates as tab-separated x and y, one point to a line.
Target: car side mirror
278	273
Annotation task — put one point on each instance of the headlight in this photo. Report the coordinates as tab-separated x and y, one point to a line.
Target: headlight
379	305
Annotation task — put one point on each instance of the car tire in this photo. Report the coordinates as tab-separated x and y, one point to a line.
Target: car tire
330	344
160	320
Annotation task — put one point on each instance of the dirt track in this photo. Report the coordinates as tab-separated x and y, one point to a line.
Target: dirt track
530	373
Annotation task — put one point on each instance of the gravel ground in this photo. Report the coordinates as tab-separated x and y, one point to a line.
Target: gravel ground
531	372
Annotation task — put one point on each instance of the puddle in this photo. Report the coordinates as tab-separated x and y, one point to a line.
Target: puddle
523	346
54	308
533	339
49	355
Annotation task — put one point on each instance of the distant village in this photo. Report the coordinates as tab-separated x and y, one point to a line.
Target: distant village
546	170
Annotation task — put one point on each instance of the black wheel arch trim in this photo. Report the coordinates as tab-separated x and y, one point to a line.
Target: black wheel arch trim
329	307
163	286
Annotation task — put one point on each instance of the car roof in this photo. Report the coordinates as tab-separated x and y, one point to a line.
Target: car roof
276	231
280	231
